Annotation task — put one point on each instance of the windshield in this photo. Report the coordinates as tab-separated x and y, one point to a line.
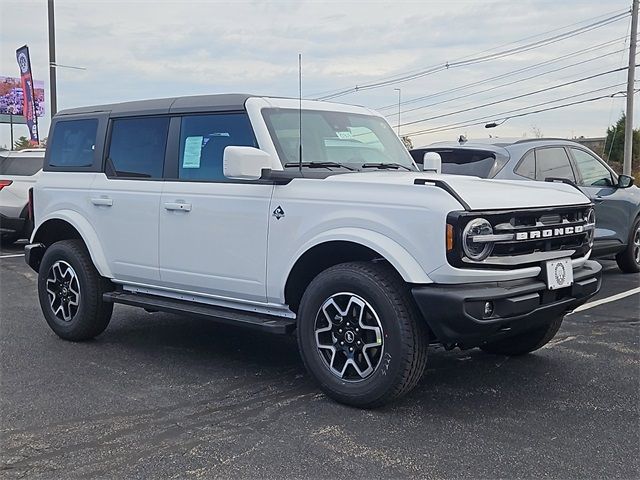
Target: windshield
343	139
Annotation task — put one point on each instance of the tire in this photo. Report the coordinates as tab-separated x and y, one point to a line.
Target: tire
392	335
74	309
526	342
629	259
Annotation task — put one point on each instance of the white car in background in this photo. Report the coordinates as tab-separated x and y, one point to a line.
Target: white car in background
19	171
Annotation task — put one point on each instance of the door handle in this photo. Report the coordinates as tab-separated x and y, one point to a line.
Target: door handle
177	206
102	201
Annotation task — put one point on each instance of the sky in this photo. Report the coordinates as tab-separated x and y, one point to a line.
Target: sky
139	49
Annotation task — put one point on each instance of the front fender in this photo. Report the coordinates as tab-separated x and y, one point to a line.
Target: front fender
406	265
86	231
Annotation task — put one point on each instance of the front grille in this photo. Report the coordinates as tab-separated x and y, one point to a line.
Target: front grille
527	237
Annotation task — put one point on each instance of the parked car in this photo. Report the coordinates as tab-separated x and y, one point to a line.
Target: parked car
616	199
210	206
19	171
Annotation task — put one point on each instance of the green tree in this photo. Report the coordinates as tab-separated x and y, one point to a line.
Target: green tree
21	143
614	143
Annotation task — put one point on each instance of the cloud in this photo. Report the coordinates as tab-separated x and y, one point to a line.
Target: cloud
143	49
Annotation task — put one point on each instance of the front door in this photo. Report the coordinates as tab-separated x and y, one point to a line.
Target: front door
598	183
213	232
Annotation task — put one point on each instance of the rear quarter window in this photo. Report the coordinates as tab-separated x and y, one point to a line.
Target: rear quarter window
527	166
73	143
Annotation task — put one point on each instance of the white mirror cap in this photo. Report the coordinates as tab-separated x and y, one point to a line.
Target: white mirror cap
432	162
244	163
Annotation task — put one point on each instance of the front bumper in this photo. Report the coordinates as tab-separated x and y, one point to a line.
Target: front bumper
454	313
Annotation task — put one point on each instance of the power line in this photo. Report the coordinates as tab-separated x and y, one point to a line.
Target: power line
613	12
464	125
534	66
496	87
516	97
486	118
327	92
482	58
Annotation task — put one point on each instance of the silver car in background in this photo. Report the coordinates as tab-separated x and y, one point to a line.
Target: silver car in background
19	171
616	200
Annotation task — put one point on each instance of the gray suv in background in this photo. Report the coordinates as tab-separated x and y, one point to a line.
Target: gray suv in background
616	200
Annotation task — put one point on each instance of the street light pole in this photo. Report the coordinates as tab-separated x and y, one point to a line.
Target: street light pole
399	97
628	127
52	59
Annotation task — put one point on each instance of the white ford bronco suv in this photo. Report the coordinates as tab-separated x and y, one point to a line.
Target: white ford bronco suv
278	215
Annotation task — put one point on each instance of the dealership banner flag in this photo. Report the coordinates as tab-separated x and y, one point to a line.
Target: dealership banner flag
28	93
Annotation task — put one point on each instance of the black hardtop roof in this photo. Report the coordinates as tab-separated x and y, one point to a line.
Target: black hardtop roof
195	103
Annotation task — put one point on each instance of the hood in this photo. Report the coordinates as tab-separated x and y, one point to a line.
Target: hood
479	193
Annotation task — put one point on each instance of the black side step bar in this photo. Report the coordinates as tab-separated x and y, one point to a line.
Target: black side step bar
258	321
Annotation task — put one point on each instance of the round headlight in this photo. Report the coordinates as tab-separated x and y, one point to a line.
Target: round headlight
477	251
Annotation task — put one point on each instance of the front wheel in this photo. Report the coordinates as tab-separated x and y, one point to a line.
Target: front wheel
360	335
526	342
629	259
70	292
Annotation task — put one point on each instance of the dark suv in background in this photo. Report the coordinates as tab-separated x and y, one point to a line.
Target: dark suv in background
616	200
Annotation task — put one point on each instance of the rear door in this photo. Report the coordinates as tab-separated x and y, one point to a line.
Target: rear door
125	198
598	182
213	231
553	162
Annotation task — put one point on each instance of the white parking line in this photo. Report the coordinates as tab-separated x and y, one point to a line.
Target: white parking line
612	298
12	255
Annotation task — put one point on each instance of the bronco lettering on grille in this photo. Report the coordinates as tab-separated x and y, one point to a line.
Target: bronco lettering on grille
549	232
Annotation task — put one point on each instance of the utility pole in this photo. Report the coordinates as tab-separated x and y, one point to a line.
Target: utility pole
399	94
628	128
11	122
52	59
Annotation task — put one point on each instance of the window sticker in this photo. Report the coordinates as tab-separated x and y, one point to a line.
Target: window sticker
344	135
192	151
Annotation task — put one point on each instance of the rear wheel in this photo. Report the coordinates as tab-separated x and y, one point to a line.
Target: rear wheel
70	292
629	259
525	342
360	335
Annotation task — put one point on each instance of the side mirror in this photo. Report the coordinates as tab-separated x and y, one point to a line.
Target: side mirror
432	162
625	181
244	163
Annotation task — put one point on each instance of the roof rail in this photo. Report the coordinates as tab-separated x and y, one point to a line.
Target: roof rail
525	140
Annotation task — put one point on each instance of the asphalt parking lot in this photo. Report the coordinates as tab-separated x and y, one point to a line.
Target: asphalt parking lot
160	396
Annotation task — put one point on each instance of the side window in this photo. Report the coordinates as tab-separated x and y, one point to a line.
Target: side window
73	143
593	172
137	147
203	139
553	162
527	166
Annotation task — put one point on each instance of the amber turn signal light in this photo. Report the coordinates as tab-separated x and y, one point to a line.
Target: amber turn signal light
449	237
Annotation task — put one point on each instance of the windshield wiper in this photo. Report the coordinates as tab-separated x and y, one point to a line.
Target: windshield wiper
386	166
317	165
